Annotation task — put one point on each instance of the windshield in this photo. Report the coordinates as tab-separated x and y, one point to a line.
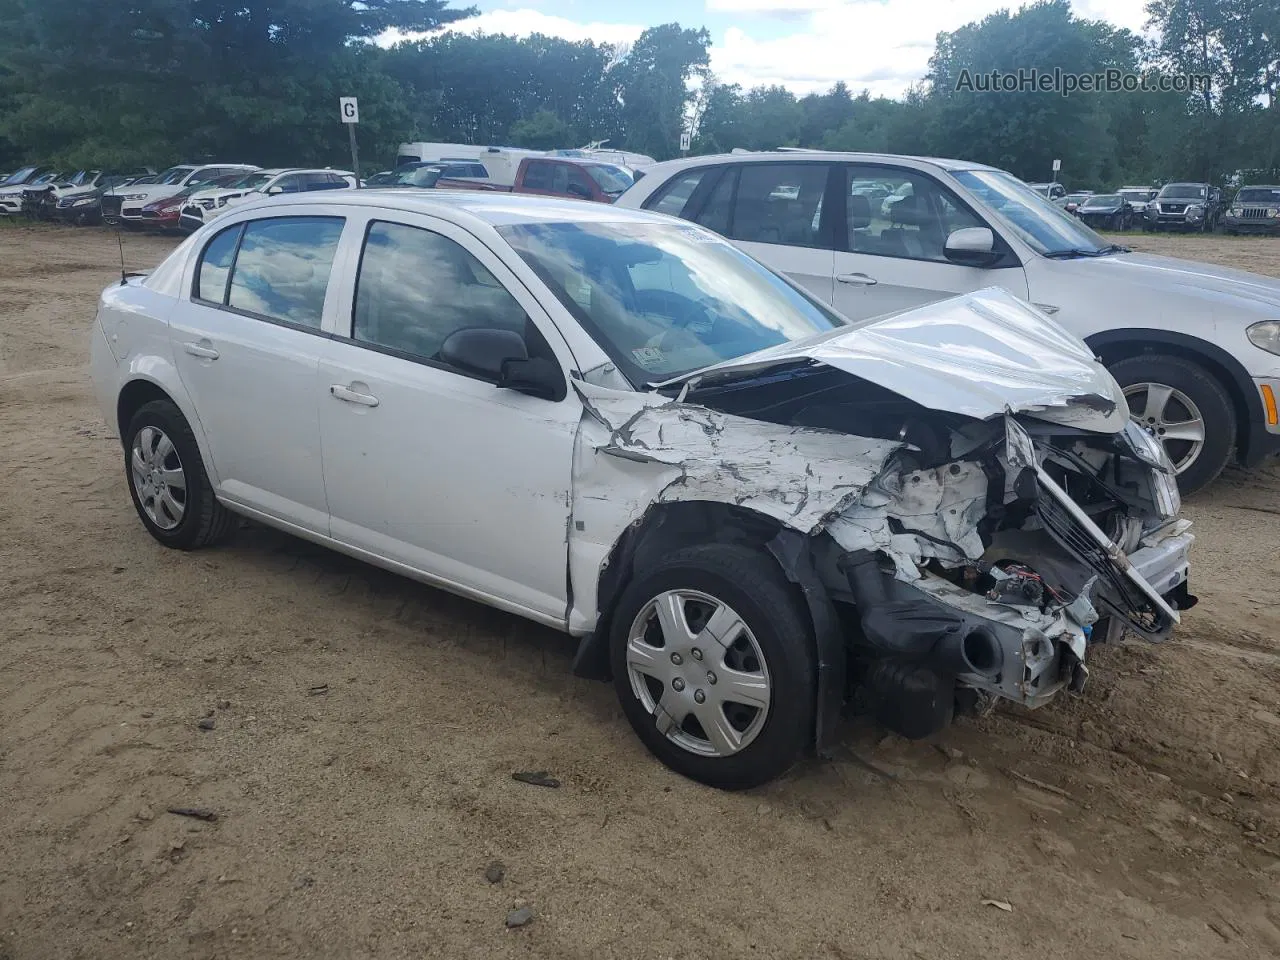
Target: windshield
251	181
1045	227
664	300
173	175
1103	200
1182	191
1259	195
18	176
419	177
610	179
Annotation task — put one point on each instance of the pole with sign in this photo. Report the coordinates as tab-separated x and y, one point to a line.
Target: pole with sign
686	141
350	111
1057	165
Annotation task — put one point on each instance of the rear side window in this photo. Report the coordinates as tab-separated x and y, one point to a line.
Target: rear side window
415	287
215	266
672	197
538	175
279	268
780	203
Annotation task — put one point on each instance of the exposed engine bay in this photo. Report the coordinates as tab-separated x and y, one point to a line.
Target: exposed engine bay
974	500
988	555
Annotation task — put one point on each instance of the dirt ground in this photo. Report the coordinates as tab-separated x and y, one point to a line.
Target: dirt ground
365	730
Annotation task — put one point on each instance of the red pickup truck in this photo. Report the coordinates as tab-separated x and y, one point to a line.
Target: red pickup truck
556	177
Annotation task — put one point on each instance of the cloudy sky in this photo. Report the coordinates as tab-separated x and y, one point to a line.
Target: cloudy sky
880	45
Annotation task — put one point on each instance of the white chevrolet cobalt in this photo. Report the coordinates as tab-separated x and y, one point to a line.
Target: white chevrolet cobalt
750	511
1195	347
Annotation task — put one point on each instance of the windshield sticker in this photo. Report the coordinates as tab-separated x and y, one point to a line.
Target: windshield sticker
648	358
699	236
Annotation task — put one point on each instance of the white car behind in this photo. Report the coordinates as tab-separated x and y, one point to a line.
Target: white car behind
205	205
1196	347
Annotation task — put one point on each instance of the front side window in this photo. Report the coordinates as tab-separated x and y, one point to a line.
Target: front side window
892	212
1045	227
612	181
665	299
279	268
416	287
780	203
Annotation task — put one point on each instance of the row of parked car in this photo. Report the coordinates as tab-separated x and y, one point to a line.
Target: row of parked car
182	197
1175	206
186	196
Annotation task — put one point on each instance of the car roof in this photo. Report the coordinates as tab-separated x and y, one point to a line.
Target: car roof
782	156
495	208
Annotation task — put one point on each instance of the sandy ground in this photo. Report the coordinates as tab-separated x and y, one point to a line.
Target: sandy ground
1141	820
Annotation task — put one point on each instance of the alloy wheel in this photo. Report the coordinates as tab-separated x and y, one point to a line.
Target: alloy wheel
158	477
1171	417
696	667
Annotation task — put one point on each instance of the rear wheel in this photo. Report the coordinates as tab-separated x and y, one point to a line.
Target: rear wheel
167	479
713	662
1185	407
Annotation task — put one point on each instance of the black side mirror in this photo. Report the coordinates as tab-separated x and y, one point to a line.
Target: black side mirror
578	190
483	350
501	356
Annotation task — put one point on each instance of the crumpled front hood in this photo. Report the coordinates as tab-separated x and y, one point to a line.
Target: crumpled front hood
978	355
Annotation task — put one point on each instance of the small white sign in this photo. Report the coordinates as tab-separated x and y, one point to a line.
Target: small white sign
686	140
1057	164
351	112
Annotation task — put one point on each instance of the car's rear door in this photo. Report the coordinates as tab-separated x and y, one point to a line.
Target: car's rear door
247	339
775	211
890	254
426	466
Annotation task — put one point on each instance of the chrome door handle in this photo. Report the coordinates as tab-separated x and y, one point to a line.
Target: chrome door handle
340	392
859	278
200	349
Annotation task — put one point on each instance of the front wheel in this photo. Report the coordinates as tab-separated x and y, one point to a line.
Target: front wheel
713	662
1184	407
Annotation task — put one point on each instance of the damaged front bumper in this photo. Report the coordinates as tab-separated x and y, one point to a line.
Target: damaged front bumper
995	625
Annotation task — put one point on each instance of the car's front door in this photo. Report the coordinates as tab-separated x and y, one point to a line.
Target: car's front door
247	342
891	254
426	465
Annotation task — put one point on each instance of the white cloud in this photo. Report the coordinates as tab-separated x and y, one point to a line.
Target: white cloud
879	45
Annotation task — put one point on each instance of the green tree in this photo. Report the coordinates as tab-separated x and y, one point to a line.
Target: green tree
652	83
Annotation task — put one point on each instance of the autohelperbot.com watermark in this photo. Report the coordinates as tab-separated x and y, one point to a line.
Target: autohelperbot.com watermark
1065	83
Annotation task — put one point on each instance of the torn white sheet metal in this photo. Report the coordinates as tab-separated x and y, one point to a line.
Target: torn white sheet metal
937	513
975	355
797	475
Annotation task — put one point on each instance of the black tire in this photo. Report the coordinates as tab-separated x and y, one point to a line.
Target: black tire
750	582
1209	396
204	520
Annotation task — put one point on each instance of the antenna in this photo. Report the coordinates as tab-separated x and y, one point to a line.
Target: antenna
124	277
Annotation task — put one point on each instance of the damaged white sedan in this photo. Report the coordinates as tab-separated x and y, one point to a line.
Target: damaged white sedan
753	514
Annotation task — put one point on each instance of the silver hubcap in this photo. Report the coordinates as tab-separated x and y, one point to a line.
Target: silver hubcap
1170	416
698	670
158	479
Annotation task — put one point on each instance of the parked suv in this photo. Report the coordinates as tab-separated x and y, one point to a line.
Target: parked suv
1185	206
1196	347
1255	210
1138	198
747	510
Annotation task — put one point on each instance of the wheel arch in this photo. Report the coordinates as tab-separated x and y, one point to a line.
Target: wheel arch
670	526
142	387
1115	345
